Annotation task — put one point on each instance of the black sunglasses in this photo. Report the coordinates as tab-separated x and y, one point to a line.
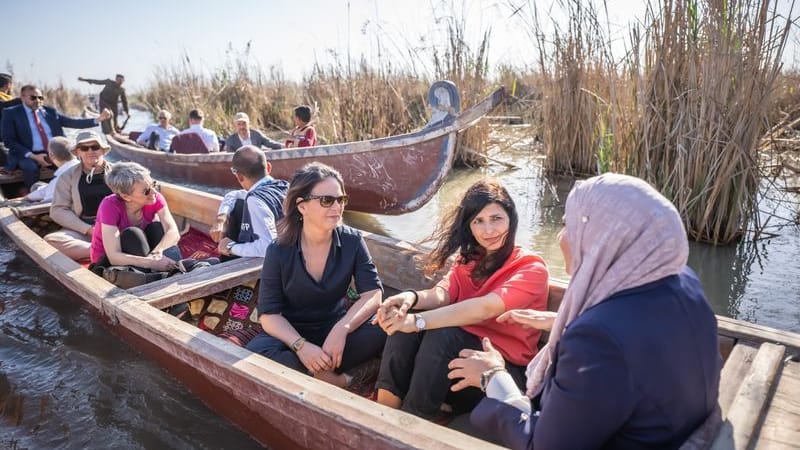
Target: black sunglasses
86	148
326	201
162	118
150	188
37	97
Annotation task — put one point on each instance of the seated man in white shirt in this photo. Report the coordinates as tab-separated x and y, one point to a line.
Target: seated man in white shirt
158	136
246	218
196	119
58	150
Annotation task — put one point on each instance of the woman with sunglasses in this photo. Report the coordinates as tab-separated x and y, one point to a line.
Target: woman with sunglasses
491	275
304	283
78	193
136	227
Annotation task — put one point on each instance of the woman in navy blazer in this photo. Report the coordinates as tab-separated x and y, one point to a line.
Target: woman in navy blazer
632	360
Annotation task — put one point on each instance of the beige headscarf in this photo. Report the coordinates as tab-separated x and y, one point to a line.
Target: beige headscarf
621	233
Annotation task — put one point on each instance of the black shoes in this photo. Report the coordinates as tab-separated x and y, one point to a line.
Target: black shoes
189	264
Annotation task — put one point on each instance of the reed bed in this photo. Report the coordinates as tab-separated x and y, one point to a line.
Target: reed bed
69	101
683	109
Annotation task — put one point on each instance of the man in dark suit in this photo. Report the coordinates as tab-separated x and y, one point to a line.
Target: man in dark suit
27	128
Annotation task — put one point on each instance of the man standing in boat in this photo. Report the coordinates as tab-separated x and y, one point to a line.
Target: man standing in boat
246	217
29	127
110	96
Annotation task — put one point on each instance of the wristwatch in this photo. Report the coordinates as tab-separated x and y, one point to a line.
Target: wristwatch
298	344
419	321
230	245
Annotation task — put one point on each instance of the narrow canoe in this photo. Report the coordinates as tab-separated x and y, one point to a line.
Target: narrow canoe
392	175
282	408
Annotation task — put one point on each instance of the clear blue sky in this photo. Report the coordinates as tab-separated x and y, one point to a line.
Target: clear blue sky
51	41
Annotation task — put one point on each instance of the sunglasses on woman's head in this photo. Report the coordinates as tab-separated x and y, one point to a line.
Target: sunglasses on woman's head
150	188
86	148
326	201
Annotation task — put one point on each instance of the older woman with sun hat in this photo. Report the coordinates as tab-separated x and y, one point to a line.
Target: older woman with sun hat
78	193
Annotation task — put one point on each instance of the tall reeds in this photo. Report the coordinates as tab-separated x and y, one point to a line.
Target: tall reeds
709	69
682	109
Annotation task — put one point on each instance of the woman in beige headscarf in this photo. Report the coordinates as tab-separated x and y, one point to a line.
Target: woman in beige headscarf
632	359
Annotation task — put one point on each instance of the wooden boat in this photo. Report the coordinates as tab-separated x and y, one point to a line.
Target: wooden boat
14	180
392	175
282	408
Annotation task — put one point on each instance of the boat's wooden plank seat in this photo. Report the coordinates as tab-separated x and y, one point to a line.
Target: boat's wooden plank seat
745	387
184	287
781	428
16	176
32	209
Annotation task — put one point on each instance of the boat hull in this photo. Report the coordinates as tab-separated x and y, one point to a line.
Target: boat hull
392	175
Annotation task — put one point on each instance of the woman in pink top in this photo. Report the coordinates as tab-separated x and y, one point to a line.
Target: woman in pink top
491	275
136	228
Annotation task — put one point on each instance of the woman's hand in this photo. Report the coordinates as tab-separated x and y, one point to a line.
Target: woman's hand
470	364
314	358
396	305
529	318
161	263
334	345
405	323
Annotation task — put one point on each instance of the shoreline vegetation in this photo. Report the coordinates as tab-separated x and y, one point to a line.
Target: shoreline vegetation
689	107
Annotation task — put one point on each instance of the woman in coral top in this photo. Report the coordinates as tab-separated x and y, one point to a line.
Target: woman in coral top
491	275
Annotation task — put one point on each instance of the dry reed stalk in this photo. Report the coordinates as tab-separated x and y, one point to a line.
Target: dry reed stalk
467	66
709	71
69	101
683	109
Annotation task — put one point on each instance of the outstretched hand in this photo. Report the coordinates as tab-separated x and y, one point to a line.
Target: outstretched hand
529	318
470	364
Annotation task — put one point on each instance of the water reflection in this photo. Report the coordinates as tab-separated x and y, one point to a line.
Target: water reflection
66	383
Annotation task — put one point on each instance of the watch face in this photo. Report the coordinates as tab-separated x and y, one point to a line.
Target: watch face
420	322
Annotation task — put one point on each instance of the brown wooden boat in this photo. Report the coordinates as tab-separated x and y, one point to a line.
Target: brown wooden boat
392	175
14	180
282	408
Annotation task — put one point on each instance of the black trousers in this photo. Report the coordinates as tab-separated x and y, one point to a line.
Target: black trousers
363	344
414	368
137	242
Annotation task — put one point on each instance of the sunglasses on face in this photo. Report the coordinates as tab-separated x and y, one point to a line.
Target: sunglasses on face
86	148
37	97
162	118
326	201
149	189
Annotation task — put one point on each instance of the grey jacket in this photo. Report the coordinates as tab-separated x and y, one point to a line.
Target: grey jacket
233	142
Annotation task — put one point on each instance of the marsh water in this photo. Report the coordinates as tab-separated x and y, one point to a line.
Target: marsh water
67	383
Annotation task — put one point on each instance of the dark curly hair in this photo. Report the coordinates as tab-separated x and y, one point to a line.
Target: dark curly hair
453	234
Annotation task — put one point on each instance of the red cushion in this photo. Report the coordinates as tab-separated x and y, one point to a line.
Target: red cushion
188	143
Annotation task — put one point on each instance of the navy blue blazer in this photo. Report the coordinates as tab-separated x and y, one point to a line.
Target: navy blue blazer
639	370
17	132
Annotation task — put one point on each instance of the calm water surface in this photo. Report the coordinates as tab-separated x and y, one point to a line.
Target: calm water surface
65	382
